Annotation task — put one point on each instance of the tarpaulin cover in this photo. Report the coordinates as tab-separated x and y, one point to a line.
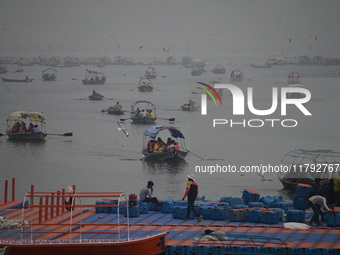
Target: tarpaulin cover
154	130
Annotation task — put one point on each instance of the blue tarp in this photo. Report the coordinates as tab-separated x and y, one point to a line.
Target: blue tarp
154	130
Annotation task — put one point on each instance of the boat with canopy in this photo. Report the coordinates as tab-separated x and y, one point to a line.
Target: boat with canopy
236	76
49	74
94	78
28	119
294	78
150	73
137	109
155	150
145	85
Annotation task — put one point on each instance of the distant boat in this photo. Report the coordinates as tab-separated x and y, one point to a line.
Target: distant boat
145	85
261	66
196	71
94	78
16	80
96	96
150	73
49	74
236	76
294	78
218	69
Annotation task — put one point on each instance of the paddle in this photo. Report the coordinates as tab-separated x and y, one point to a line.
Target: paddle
65	134
190	152
124	119
171	119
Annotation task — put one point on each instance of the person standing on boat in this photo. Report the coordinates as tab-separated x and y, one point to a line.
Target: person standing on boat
191	192
145	194
318	205
69	199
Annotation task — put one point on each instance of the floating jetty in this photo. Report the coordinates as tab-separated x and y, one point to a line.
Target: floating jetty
233	225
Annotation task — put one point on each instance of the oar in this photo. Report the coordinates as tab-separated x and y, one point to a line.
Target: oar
171	119
191	152
124	119
65	134
2	134
133	88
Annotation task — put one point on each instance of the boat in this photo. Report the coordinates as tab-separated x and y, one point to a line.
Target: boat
306	166
145	85
96	96
16	119
236	76
294	78
196	71
138	107
219	69
164	152
150	73
49	74
115	110
19	70
295	94
3	69
266	65
190	107
26	80
94	78
76	236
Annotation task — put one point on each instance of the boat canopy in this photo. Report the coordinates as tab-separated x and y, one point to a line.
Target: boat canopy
154	130
236	72
21	115
49	69
142	102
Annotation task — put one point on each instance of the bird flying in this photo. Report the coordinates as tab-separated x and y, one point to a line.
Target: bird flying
122	128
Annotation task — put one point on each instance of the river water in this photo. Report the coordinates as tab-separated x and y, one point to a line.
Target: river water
98	157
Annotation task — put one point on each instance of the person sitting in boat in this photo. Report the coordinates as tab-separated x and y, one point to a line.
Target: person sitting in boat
117	107
151	115
159	146
149	84
143	83
103	79
23	128
35	128
150	146
30	128
143	114
145	194
137	112
16	127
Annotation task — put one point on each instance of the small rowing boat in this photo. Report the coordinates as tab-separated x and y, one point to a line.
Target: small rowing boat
26	80
145	85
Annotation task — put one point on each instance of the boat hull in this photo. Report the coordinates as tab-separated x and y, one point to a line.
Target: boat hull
115	112
38	136
145	246
143	120
85	82
12	80
145	88
165	156
187	108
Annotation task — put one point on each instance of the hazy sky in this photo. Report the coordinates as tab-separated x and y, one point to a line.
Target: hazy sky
119	27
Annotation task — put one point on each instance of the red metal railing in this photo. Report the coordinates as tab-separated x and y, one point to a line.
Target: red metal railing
43	207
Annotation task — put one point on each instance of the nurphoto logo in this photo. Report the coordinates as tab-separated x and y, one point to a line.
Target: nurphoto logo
288	96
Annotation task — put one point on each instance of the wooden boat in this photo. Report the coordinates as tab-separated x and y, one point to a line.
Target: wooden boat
150	73
136	109
96	96
72	245
294	78
296	94
49	74
94	78
190	107
16	80
145	85
236	76
306	166
3	69
164	152
219	69
266	65
18	118
196	71
112	110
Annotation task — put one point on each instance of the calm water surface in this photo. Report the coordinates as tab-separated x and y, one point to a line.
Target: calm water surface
98	157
